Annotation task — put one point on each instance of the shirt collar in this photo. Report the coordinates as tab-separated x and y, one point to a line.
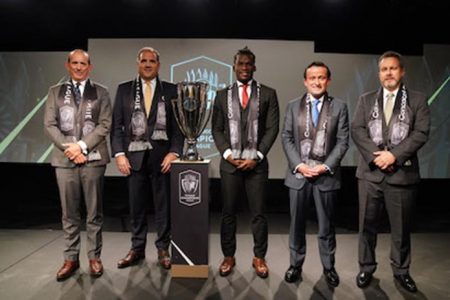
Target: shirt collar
82	83
249	83
311	97
387	92
152	82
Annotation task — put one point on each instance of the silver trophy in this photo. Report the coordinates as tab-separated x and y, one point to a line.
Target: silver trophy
192	114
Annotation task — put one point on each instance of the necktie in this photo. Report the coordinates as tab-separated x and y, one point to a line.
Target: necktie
77	93
148	98
244	95
389	107
315	111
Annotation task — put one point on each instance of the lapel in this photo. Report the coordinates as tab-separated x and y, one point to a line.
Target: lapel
90	92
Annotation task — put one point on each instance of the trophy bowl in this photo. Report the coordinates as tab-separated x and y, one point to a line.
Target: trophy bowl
192	114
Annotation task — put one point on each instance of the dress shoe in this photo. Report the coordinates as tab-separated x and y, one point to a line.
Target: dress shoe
363	279
69	267
227	266
96	267
407	282
132	258
331	276
292	274
260	266
164	259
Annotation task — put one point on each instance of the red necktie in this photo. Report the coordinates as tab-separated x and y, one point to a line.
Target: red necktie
244	95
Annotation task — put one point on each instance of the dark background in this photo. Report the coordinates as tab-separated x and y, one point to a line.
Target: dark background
29	194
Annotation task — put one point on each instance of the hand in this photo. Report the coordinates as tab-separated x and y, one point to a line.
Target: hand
247	164
80	159
123	165
72	150
168	159
234	162
320	169
384	159
307	171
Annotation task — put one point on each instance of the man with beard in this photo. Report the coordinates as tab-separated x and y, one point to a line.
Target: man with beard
389	126
245	125
145	139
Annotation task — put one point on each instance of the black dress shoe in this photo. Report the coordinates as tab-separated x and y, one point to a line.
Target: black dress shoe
331	276
363	279
407	282
292	274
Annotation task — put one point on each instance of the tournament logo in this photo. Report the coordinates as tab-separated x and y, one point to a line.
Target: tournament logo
190	187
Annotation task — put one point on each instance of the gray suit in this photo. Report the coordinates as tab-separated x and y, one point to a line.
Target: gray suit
77	182
396	190
323	189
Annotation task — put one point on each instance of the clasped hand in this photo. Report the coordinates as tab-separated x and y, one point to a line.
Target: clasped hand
73	152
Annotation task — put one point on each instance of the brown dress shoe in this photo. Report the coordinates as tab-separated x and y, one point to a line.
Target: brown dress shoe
132	258
96	267
164	259
227	265
69	267
260	266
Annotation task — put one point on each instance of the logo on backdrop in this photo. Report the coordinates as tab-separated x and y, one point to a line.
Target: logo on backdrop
217	74
190	187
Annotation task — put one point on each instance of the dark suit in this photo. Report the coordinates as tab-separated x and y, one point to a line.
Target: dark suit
77	182
253	182
395	190
146	173
323	189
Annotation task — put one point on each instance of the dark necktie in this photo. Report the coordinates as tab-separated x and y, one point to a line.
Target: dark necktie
77	93
244	95
315	111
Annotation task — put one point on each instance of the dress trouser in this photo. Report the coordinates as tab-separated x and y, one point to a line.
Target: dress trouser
75	185
300	201
398	201
143	185
233	186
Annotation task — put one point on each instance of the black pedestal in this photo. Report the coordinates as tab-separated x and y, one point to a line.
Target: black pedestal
190	218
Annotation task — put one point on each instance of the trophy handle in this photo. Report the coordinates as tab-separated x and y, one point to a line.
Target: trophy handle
177	118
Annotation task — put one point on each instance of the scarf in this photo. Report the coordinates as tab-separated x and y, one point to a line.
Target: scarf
313	141
399	125
246	150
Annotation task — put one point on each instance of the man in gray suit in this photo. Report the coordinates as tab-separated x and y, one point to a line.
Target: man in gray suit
244	126
77	120
315	138
389	126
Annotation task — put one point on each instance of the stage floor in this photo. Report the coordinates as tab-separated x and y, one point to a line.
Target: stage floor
30	258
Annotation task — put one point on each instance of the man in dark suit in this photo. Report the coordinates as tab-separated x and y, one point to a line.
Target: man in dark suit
315	138
245	125
145	139
77	121
389	126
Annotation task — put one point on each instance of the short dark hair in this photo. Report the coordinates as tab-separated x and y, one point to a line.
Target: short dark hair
245	51
394	54
317	64
78	50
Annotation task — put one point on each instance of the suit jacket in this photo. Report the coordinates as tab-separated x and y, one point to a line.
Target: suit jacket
95	141
123	109
407	163
338	129
268	126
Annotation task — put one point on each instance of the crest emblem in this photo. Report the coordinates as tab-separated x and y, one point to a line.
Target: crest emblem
189	187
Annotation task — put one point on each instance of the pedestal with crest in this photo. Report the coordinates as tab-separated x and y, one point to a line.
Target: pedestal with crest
190	186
